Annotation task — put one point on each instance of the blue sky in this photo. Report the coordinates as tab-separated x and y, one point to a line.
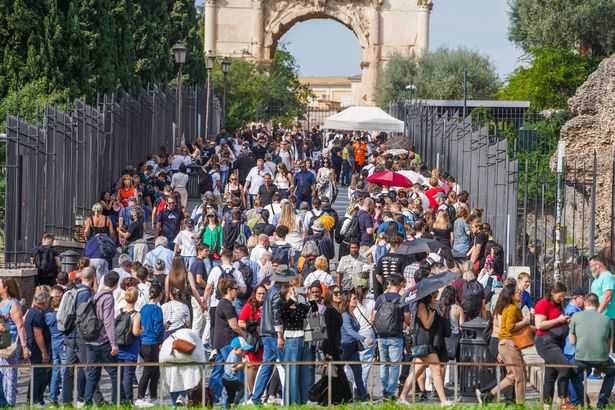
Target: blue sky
327	48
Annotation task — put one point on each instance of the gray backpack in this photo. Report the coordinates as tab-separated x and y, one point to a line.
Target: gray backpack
88	324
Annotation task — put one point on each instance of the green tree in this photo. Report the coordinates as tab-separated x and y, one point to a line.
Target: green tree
438	75
571	25
123	14
265	91
550	79
185	25
399	73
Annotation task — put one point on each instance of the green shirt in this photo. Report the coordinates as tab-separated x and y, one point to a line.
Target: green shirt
601	284
211	237
592	331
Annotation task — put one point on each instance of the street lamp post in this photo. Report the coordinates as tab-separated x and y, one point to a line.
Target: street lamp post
179	52
210	59
226	66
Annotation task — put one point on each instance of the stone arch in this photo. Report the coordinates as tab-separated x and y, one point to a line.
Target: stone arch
280	25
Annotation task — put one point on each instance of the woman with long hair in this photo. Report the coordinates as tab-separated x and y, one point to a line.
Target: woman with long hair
233	189
442	229
180	285
461	232
551	332
454	314
429	218
363	312
510	320
179	182
130	353
425	332
11	310
293	222
210	233
283	180
326	180
351	340
126	190
249	321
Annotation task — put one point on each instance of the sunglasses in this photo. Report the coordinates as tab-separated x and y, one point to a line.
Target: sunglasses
338	293
170	203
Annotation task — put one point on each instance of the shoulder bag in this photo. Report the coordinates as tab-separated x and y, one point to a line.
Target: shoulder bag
523	338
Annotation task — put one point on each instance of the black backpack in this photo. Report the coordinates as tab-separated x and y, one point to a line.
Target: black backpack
44	260
123	328
226	274
248	276
472	301
353	231
387	322
281	253
88	324
206	182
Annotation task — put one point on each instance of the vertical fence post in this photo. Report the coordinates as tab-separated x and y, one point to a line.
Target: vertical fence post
456	381
286	400
413	388
524	231
161	389
329	394
497	381
585	395
592	211
31	386
203	387
118	385
75	374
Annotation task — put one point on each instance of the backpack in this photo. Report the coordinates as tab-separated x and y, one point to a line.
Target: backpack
106	246
472	300
387	322
248	276
44	259
123	328
281	253
225	274
242	239
88	324
308	267
381	250
312	219
206	182
254	219
352	231
67	312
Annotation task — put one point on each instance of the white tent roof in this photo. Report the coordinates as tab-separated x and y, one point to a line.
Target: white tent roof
364	119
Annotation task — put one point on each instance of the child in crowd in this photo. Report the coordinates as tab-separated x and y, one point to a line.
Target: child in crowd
233	370
57	342
185	243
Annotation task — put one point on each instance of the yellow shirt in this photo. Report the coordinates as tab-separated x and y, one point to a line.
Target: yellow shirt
510	316
345	154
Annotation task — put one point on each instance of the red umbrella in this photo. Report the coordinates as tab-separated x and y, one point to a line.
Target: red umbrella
389	178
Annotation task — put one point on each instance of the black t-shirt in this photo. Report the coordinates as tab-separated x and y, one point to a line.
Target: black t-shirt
244	164
391	264
266	192
259	151
35	318
197	267
481	239
223	334
136	231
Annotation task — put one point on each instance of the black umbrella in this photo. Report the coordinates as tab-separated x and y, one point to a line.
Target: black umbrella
428	286
419	245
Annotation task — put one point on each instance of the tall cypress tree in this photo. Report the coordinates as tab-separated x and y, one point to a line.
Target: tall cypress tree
123	13
185	25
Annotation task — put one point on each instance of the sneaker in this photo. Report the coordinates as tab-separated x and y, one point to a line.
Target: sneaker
422	396
479	396
447	403
270	399
179	402
403	402
143	403
567	405
80	404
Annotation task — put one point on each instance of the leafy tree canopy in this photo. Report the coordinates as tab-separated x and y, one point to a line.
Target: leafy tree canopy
550	79
438	75
584	25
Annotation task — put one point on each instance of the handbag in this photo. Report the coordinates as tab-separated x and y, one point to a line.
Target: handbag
559	333
9	351
315	328
5	337
523	338
182	345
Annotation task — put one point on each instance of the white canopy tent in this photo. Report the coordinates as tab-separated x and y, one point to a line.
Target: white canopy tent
364	119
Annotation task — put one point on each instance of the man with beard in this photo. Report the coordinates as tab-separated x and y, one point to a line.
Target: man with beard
351	269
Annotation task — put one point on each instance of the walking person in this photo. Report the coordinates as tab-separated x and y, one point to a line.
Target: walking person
551	332
511	320
150	323
129	352
38	338
363	312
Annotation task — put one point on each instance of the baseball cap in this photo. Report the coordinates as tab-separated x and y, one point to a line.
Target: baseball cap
189	223
240	343
440	195
318	226
578	292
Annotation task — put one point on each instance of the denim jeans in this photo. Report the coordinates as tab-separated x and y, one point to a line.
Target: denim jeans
58	357
127	377
271	353
215	381
607	383
188	261
351	354
100	354
346	173
391	350
75	351
296	349
367	355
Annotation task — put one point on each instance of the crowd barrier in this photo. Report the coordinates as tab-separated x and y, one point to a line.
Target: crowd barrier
328	365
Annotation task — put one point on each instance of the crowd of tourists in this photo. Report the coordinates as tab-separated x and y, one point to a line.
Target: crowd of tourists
247	277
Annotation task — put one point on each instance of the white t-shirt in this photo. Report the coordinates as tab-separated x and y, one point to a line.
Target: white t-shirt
215	178
186	241
175	314
274	209
362	312
179	159
319	275
311	215
255	178
214	277
257	252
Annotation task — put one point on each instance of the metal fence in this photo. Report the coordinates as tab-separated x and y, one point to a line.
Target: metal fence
307	116
58	167
466	377
480	164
